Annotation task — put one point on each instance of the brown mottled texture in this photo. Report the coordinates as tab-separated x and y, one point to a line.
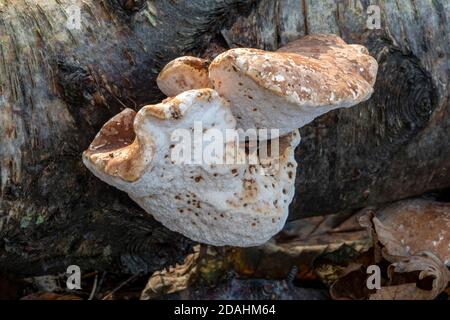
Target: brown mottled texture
332	52
413	226
291	87
117	151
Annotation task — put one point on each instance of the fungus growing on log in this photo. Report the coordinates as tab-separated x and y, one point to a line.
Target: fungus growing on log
289	88
219	204
229	201
182	74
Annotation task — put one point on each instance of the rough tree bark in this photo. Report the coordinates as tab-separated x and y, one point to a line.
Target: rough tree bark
396	145
58	86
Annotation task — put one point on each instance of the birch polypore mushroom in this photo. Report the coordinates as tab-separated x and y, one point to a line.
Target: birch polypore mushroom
291	87
229	201
216	203
182	74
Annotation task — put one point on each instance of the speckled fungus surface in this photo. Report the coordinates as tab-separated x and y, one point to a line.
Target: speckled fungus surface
219	204
291	87
229	202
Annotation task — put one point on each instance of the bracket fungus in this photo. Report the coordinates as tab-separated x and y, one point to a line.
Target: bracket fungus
291	87
219	204
182	74
223	202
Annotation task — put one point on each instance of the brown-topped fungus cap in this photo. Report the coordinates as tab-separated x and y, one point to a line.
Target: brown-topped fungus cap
291	87
183	74
116	151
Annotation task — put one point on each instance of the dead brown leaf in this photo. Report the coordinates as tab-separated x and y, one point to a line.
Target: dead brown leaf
351	285
412	226
407	291
302	243
411	242
172	280
431	275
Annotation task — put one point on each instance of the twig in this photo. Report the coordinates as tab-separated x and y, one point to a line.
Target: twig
94	288
132	278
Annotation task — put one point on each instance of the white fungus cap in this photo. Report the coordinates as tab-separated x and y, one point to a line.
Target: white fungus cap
229	203
217	204
289	88
183	74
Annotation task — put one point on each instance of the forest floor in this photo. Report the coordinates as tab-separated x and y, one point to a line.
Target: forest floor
374	253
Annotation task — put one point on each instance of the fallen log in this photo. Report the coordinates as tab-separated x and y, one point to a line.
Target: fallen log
59	84
62	76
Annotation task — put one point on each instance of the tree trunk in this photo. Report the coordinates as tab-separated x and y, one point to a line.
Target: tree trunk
59	85
395	145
